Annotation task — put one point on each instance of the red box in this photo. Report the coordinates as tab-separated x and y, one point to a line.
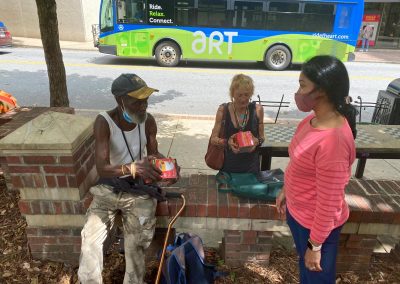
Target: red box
244	140
167	166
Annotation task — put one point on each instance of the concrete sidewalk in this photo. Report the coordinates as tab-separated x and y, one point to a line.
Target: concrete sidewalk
186	139
373	55
37	42
378	56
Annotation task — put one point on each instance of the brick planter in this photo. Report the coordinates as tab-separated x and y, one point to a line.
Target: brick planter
50	160
355	252
239	247
14	119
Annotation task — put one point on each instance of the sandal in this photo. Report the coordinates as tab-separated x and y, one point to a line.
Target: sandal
222	180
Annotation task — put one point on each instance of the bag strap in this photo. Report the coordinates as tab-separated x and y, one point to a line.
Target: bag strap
254	118
223	121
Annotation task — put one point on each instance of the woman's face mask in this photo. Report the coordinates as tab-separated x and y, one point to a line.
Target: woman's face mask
306	102
307	95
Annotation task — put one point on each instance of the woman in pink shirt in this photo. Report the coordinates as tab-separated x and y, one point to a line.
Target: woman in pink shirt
321	153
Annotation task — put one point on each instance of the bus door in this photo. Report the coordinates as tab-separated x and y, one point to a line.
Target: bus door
346	30
248	17
132	40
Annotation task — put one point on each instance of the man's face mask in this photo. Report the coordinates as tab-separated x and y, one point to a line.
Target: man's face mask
306	102
131	117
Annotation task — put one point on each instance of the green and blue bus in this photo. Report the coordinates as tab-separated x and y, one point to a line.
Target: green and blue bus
276	32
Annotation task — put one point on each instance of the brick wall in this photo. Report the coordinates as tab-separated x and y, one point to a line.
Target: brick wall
239	247
53	179
14	119
355	251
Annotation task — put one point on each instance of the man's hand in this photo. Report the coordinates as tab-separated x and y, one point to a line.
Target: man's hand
312	260
146	170
169	182
281	203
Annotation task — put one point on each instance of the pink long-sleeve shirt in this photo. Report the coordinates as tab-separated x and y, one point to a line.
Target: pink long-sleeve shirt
315	179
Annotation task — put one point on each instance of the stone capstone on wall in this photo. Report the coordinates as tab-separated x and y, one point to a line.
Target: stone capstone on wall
50	160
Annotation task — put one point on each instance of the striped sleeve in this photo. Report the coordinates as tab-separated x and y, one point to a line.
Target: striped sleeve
333	161
331	179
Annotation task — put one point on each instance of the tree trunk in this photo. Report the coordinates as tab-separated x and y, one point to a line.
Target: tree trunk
48	22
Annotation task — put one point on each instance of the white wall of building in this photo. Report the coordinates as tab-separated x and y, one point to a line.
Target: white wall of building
75	18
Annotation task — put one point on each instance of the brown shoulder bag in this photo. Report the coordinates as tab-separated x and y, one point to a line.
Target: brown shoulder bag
215	153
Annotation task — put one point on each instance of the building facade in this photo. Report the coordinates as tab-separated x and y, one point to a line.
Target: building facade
385	16
75	18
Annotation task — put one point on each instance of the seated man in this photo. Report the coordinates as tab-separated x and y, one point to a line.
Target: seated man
121	136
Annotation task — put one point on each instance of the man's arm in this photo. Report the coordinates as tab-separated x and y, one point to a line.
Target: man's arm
102	149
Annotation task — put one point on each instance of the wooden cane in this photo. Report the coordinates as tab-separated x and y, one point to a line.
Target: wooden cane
166	239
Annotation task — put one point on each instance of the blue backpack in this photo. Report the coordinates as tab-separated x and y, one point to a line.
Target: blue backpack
186	263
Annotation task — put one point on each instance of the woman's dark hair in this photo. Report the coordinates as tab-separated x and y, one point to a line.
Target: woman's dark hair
329	74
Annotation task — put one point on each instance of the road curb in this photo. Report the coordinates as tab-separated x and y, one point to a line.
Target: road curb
170	116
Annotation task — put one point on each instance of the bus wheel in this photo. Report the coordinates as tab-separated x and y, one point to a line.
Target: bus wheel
278	58
168	54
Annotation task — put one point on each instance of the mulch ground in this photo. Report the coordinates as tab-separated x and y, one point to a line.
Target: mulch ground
17	265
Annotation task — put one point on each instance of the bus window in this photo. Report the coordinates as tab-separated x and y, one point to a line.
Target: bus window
106	16
284	7
344	20
130	11
212	13
318	17
283	16
185	13
248	15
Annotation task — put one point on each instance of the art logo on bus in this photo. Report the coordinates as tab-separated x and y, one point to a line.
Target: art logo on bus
213	42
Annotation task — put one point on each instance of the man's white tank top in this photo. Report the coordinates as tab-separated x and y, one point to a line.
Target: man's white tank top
119	153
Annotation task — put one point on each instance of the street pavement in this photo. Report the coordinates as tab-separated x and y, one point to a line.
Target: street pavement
373	55
186	137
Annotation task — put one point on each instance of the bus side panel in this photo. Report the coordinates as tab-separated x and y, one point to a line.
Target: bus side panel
303	47
158	35
250	50
129	43
133	43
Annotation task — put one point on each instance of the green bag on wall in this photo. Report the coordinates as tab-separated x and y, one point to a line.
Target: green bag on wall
265	186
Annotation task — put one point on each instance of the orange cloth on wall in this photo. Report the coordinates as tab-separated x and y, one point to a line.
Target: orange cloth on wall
7	102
